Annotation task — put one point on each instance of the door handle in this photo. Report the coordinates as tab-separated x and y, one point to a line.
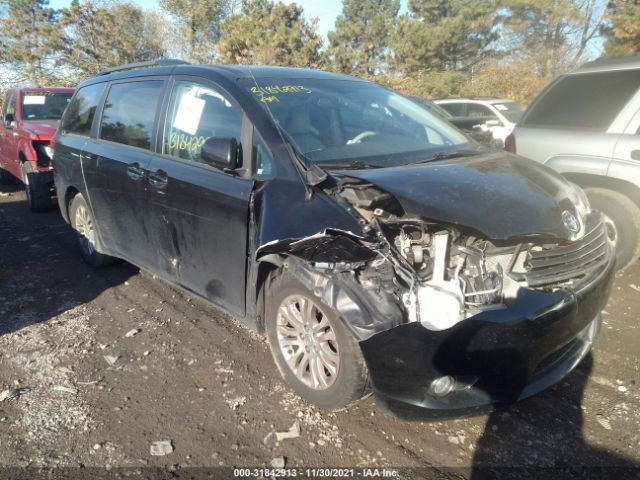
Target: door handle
159	179
135	172
635	154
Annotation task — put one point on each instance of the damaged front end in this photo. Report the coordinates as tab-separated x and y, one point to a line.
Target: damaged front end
446	318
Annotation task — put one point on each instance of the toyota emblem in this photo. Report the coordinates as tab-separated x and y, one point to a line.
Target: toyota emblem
570	222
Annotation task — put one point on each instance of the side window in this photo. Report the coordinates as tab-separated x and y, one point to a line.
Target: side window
477	110
130	111
455	109
196	113
588	101
78	117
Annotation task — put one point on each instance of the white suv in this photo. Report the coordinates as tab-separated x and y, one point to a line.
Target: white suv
498	116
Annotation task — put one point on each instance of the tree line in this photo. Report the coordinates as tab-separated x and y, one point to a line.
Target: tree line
432	47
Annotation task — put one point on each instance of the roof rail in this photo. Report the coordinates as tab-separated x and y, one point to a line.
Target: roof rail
154	63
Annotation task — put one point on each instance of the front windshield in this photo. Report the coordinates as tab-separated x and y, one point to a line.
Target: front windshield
44	105
511	110
343	122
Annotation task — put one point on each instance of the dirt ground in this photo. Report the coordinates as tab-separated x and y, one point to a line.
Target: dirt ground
92	396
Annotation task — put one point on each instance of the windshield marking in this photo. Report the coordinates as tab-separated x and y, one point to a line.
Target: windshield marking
267	93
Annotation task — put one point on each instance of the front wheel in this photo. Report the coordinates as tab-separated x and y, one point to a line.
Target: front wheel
315	353
38	191
82	222
622	221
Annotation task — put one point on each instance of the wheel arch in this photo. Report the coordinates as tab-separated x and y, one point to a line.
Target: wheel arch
265	268
69	195
626	188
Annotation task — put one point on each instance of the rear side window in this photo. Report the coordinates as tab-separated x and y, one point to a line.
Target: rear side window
129	113
584	102
78	117
455	109
477	110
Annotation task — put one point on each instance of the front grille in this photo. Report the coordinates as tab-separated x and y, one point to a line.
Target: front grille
554	266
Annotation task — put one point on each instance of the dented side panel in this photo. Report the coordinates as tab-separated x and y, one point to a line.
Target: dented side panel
285	212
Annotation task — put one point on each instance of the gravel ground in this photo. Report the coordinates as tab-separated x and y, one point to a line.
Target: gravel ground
105	362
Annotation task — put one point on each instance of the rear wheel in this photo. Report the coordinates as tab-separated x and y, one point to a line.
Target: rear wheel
38	192
316	355
623	223
82	222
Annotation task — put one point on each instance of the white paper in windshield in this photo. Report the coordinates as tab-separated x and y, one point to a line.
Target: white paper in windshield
35	100
499	106
189	114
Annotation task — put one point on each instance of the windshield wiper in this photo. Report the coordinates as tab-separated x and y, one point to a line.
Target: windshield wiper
355	165
447	155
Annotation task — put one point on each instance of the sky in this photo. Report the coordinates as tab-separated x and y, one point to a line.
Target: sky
325	10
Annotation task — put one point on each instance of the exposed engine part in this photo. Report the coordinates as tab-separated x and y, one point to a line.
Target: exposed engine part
440	301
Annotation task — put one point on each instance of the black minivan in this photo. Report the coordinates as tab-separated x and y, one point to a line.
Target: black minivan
378	247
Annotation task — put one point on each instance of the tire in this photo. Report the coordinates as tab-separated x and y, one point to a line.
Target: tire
624	222
349	383
82	222
38	192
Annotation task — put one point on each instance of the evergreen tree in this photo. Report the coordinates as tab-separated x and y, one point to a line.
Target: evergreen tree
269	33
622	28
198	23
360	42
30	39
444	34
100	35
551	34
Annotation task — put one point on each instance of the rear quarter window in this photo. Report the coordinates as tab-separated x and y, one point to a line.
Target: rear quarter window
79	115
589	101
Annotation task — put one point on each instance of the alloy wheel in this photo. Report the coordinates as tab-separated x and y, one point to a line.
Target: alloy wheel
84	227
308	342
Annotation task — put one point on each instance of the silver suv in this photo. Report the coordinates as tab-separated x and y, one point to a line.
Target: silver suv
586	125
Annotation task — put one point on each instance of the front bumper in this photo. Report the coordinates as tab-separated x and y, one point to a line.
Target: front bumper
496	356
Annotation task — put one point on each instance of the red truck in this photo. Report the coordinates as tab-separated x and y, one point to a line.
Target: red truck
30	118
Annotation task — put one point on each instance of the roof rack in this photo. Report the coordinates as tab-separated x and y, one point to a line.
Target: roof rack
154	63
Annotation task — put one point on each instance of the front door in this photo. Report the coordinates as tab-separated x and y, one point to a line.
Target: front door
115	168
8	149
200	213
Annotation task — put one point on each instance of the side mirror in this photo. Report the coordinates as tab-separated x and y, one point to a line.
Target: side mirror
493	123
9	120
220	152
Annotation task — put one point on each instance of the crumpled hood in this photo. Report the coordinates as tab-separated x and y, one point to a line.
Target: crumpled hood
41	128
501	196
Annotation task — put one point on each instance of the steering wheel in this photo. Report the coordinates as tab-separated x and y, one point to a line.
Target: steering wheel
361	136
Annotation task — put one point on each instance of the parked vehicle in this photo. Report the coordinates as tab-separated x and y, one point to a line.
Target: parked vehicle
469	125
586	125
499	116
370	240
30	117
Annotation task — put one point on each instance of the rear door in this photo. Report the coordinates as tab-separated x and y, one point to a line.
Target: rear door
199	213
75	130
115	167
627	151
578	117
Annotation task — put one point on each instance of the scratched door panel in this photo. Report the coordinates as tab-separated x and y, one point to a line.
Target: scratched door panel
199	218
